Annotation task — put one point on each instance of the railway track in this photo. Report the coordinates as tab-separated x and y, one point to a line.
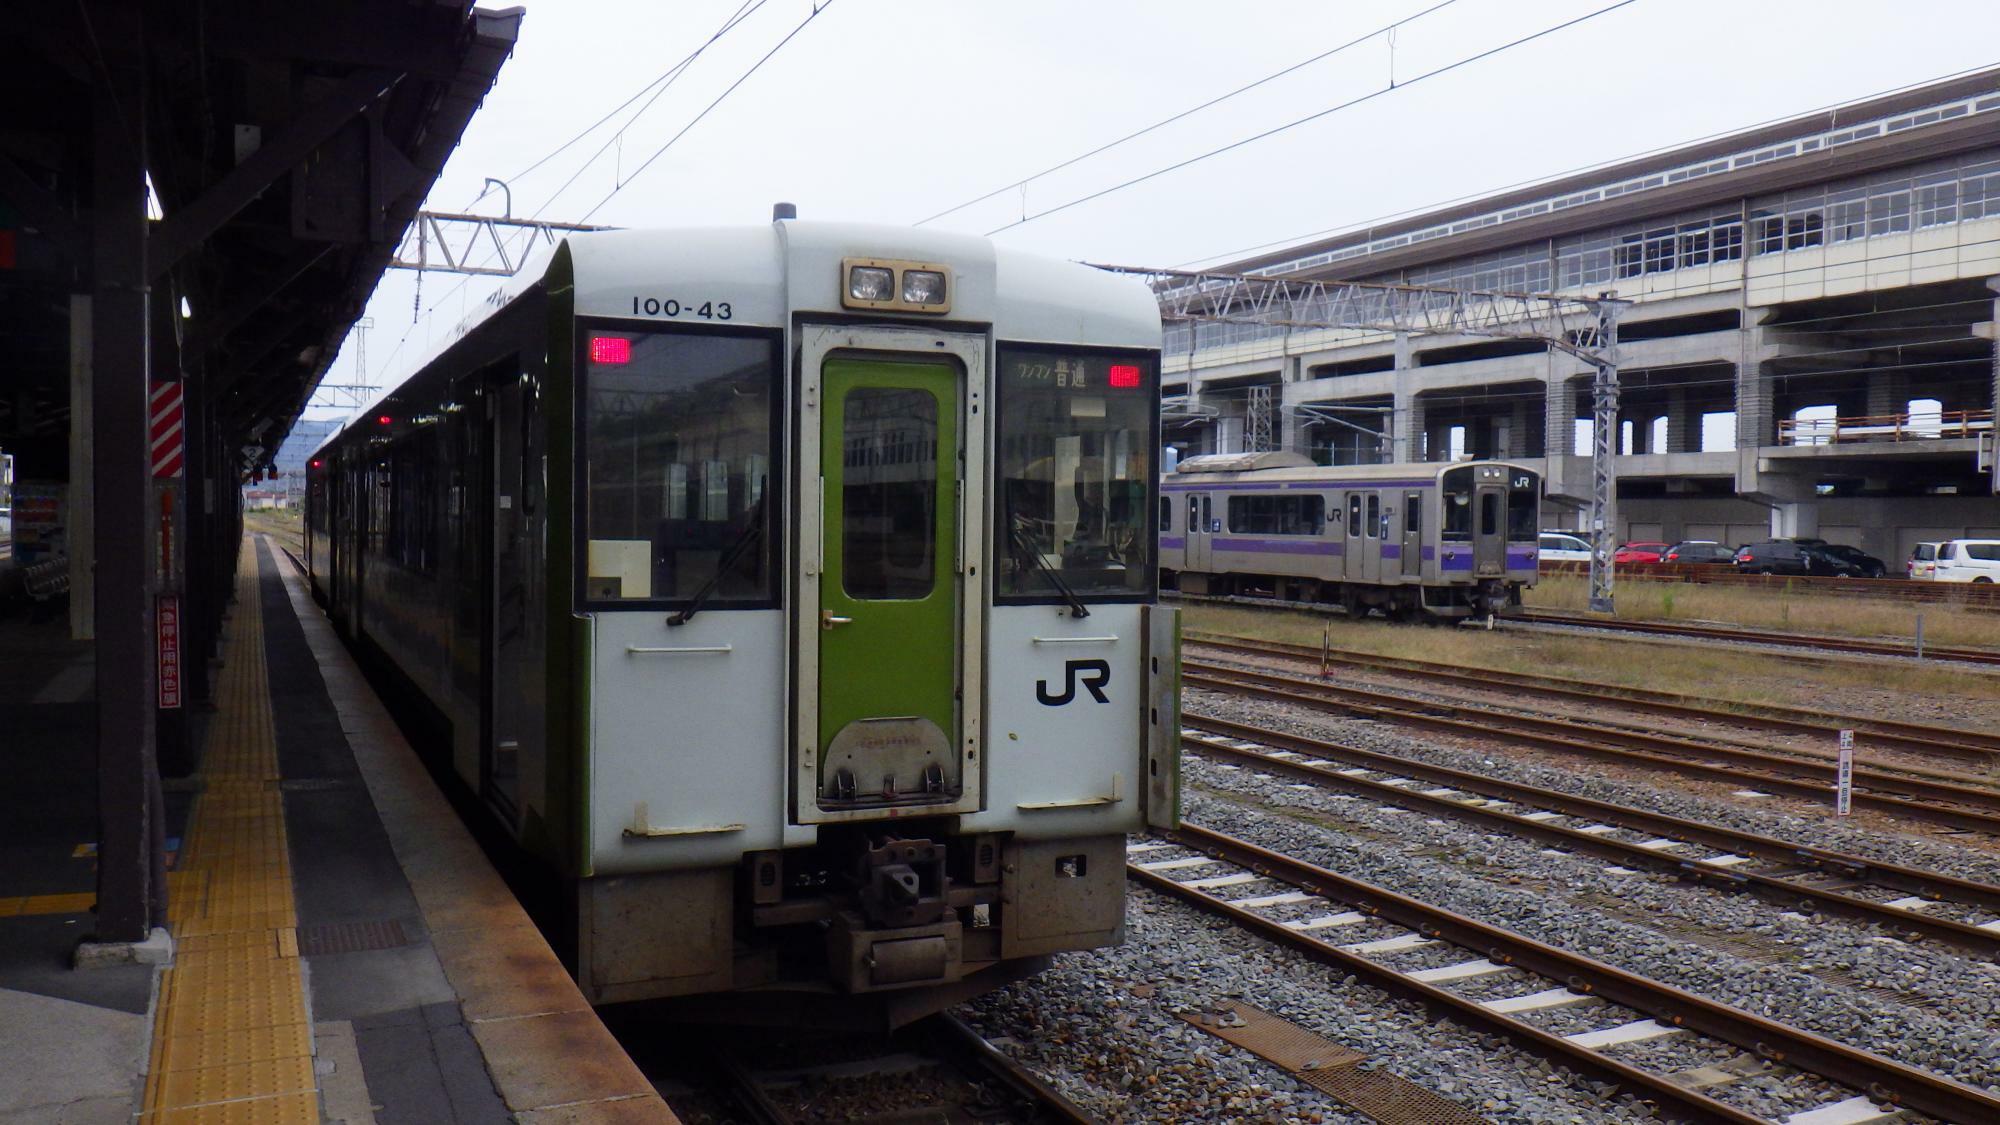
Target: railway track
1976	747
1786	873
937	1070
1257	888
1853	646
1974	808
1803	646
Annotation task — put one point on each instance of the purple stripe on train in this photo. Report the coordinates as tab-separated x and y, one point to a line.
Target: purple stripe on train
1278	546
1322	485
1391	551
1172	542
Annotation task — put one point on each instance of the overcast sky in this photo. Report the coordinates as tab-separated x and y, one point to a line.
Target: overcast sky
894	110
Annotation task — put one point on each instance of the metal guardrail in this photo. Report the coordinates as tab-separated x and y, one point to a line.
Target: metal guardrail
1884	427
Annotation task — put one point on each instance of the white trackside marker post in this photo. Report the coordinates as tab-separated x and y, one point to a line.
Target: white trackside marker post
1843	794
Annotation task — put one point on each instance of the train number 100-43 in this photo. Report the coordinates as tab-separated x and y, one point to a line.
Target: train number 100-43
654	306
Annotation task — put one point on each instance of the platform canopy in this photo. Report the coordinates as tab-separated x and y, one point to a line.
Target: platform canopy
196	199
287	145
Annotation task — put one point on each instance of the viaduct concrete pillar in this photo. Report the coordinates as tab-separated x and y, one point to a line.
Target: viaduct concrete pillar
1756	425
1412	410
1795	519
1679	422
1560	408
1406	420
1888	393
1518	425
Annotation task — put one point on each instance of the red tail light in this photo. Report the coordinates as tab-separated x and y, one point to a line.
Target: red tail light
610	349
1746	557
1124	375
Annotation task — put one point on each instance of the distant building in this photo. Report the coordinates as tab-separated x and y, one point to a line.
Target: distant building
1812	351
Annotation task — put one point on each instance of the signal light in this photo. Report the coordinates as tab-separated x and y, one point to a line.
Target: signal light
1124	374
610	349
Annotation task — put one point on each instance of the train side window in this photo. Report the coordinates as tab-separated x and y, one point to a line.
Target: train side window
1354	515
1413	513
1489	513
1374	515
1208	515
1166	513
1194	514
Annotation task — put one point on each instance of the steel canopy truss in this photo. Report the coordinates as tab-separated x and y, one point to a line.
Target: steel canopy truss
442	242
1583	327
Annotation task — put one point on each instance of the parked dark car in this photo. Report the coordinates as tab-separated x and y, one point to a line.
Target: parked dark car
1798	557
1871	567
1699	551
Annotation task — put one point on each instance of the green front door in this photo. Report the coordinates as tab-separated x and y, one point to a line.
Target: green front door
888	607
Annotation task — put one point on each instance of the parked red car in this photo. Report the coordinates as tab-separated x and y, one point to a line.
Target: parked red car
1640	552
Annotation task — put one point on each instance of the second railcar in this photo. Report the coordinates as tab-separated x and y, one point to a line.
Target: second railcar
1432	540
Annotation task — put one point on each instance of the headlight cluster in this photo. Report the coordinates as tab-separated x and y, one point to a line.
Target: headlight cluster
871	283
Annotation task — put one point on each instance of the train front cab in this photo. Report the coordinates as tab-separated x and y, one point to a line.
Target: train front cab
896	745
1489	519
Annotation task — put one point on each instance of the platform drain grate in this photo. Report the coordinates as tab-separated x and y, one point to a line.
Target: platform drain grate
350	937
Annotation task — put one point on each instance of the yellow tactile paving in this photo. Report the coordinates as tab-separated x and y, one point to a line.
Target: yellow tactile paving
231	1041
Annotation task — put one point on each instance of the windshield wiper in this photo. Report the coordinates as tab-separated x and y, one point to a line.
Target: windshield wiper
1023	547
742	542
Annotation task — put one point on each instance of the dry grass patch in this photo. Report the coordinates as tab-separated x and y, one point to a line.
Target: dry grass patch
1718	673
1842	615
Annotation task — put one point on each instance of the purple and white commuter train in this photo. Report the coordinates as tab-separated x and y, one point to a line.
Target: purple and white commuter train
1426	539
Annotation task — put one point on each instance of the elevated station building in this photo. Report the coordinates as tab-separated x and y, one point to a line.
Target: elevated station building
1811	348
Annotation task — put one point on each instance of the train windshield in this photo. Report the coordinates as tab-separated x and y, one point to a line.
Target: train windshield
679	436
1077	434
1524	506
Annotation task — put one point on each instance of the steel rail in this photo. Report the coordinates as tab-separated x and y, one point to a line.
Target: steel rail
1771	888
943	1037
1918	737
1677	1102
955	1037
1763	637
1564	737
1912	880
1850	1067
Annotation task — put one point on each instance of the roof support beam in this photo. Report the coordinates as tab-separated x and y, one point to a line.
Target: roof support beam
42	210
192	224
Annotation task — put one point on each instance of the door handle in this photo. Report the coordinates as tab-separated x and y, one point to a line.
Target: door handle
828	621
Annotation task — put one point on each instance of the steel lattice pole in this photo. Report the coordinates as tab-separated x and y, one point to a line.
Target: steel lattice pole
1603	448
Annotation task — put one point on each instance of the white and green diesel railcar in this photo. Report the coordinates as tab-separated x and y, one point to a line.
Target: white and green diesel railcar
787	591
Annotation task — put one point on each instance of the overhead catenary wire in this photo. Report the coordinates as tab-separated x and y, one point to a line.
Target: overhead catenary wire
1311	117
748	9
659	83
1387	29
818	7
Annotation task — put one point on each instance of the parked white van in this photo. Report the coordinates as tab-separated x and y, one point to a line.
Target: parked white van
1557	546
1968	560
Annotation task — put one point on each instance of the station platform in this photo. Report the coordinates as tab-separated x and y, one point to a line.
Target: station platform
342	950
